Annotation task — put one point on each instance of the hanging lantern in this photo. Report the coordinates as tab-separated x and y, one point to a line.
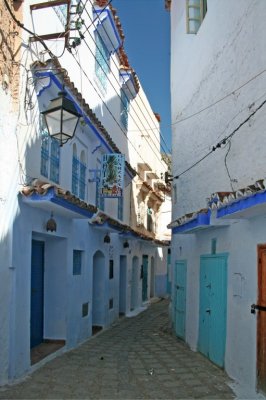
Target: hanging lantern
61	118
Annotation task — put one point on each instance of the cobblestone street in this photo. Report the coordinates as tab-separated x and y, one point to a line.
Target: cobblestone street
137	358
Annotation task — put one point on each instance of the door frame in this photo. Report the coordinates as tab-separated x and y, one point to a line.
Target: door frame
260	249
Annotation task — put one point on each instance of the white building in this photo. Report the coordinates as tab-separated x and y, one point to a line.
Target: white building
218	97
72	261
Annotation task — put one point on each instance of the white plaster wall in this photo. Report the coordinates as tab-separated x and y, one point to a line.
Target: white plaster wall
226	53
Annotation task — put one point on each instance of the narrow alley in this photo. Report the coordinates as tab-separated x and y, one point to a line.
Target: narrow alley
137	358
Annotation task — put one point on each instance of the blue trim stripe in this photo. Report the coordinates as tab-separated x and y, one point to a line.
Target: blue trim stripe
202	220
53	198
242	204
110	17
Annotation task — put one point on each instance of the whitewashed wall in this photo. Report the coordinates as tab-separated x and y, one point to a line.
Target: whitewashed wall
225	54
208	68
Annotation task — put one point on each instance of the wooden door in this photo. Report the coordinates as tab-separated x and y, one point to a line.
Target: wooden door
261	319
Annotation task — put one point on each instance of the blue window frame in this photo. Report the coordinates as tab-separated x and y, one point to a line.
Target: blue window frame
120	208
99	198
124	109
77	262
75	175
78	177
50	155
102	61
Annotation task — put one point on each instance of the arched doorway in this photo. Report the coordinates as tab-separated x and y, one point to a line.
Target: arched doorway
98	281
134	283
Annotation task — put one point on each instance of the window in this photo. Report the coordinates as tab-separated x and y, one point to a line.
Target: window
50	155
111	304
99	199
78	174
120	208
196	11
77	262
102	59
124	110
149	220
85	309
111	269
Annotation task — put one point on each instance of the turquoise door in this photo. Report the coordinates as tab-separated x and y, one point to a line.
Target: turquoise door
168	288
212	313
144	278
180	298
37	271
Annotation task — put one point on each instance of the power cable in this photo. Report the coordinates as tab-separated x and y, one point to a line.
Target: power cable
118	96
221	142
108	109
219	100
139	130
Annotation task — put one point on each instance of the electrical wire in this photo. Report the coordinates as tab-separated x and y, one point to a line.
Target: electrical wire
108	109
125	134
118	94
219	100
221	142
139	130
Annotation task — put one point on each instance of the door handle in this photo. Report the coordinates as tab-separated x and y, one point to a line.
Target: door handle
208	310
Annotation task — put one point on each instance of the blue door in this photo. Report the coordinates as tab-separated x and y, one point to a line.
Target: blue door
144	278
212	313
37	271
180	298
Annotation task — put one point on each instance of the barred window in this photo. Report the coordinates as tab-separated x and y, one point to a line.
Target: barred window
78	174
50	154
102	61
124	110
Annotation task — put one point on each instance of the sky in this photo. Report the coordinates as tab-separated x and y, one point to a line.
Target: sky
146	26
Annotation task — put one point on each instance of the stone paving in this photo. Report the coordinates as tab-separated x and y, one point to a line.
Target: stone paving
137	358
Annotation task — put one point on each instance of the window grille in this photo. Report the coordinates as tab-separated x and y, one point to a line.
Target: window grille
120	208
75	177
78	177
102	58
77	262
99	198
124	110
50	155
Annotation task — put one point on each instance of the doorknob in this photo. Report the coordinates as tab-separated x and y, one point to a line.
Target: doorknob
208	310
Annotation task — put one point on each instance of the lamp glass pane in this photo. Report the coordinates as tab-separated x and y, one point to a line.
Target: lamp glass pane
69	123
53	121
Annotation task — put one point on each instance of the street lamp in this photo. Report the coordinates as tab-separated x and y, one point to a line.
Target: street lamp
61	118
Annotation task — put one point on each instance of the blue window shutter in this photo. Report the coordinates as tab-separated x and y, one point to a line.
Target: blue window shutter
75	169
82	180
54	161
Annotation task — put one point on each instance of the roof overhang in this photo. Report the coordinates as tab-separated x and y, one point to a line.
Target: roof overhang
247	207
200	221
51	201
